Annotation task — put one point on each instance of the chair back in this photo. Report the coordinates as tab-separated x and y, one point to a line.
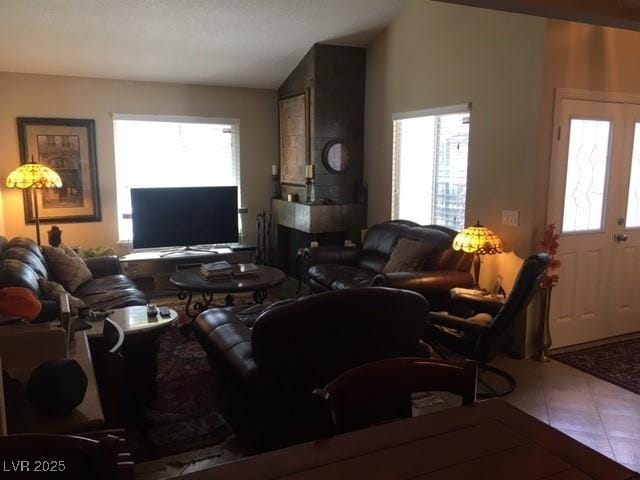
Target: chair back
524	288
82	457
381	240
313	339
382	390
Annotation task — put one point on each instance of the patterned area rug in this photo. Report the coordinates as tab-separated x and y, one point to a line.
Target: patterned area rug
616	362
185	415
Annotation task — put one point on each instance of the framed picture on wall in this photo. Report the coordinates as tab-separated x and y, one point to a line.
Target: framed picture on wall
68	146
293	114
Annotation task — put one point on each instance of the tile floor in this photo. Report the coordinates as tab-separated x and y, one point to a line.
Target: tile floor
597	413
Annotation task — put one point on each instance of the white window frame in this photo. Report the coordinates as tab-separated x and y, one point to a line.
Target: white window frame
233	122
395	179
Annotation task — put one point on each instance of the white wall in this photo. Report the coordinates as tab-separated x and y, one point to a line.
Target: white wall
438	54
66	97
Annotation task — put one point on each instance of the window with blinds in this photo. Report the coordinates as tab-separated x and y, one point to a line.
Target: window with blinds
153	151
430	153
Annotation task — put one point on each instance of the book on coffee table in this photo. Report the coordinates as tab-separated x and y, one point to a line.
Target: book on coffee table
245	270
220	269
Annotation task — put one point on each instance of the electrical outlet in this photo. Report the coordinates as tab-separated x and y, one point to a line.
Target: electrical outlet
511	218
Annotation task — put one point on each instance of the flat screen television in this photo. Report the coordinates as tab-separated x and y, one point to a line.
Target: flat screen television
184	216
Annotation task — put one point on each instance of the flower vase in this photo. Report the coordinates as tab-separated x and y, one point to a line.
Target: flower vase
544	335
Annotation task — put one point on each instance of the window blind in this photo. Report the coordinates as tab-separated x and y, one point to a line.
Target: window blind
173	152
430	155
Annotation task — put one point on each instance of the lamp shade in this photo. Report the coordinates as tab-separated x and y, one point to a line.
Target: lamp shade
478	239
33	175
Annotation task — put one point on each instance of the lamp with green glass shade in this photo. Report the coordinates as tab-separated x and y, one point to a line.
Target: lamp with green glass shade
34	176
478	240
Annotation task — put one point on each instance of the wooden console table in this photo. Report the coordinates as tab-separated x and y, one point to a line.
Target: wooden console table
150	270
86	416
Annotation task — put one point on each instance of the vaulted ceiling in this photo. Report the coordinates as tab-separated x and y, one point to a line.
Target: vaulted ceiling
248	43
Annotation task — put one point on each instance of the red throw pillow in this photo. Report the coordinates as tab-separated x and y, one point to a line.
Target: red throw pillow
19	302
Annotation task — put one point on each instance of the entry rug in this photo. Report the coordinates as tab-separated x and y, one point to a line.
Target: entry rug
617	362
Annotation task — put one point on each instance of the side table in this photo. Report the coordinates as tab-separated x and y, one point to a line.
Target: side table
140	349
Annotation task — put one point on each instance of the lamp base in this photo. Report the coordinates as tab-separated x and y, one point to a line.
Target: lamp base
476	271
37	214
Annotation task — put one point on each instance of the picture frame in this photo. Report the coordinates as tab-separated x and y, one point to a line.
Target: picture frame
68	146
293	121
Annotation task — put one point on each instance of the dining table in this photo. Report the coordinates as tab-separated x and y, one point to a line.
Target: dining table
486	440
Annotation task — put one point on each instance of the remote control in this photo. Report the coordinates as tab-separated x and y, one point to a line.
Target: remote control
164	311
152	310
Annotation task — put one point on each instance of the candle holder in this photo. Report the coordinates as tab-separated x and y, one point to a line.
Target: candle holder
275	182
311	191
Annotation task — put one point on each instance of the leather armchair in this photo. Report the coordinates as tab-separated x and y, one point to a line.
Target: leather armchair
338	268
482	342
268	373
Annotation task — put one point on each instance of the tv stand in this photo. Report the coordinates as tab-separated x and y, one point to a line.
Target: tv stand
151	269
166	253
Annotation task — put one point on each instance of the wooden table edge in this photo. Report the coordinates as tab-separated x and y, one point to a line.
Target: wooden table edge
310	455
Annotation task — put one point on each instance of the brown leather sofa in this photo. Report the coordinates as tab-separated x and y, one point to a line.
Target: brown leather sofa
266	374
22	263
339	268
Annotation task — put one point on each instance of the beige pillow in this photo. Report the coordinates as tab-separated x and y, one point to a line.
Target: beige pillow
52	290
408	256
481	319
67	267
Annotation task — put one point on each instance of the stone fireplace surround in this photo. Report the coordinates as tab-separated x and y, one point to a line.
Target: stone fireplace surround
334	77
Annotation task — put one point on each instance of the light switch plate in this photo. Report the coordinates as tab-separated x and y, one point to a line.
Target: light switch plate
511	218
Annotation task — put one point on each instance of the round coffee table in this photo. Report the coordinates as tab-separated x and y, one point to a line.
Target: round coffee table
190	282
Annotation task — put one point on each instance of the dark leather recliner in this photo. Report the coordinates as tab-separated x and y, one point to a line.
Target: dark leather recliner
482	342
22	263
338	268
269	372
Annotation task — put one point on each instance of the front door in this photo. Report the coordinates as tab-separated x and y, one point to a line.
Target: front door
595	202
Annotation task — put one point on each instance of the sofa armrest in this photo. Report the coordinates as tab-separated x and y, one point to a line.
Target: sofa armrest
227	340
103	266
335	255
50	311
434	285
456	323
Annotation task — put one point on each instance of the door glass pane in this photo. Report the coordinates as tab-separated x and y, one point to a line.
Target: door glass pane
633	202
586	175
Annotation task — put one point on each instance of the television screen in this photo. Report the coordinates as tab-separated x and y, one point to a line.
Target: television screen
183	217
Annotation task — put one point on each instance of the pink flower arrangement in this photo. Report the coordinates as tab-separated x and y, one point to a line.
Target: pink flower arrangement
549	244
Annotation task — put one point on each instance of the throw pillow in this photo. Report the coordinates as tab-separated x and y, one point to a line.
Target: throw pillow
19	302
52	290
409	256
67	267
481	319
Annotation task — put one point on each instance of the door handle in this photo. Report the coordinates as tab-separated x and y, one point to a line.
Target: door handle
620	237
